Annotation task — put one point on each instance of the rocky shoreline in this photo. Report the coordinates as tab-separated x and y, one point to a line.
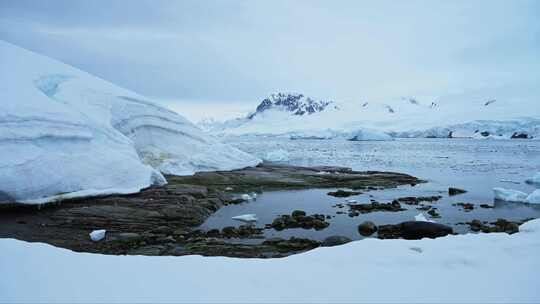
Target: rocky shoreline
164	220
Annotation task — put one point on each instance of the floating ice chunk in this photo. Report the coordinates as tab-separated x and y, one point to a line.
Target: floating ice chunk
277	155
246	218
98	235
245	197
422	218
534	198
351	201
510	195
509	181
253	195
534	180
229	189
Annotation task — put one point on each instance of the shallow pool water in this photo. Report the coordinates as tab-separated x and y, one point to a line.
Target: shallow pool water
474	165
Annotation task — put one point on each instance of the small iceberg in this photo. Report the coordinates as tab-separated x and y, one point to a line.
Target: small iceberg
535	180
248	197
534	198
422	218
246	218
98	235
515	196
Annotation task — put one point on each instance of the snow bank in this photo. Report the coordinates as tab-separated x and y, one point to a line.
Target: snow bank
464	268
65	133
277	155
535	180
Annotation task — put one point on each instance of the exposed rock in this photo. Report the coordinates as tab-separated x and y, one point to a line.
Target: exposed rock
520	135
414	230
501	225
375	206
455	191
433	213
367	228
486	206
413	200
335	240
466	206
298	213
297	220
343	193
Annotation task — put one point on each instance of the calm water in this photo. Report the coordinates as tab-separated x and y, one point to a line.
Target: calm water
474	165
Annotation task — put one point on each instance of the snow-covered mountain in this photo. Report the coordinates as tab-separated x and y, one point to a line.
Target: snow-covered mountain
66	133
297	104
458	115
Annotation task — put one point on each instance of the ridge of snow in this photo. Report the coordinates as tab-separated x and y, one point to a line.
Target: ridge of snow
452	269
65	133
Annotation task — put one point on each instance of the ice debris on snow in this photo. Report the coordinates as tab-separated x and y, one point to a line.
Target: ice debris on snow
98	235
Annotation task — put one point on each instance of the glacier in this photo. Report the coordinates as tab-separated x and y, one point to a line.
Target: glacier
65	133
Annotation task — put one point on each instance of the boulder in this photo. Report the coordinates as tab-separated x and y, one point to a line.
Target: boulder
367	228
414	230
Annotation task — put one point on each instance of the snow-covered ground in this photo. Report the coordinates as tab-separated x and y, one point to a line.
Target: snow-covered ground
485	268
468	114
65	133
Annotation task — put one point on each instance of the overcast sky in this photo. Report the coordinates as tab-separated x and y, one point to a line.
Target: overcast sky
240	51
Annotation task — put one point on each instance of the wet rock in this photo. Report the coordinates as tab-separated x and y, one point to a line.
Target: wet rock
295	244
297	220
335	240
501	225
520	135
414	230
375	206
148	250
433	213
298	213
126	237
229	232
367	228
343	193
213	233
413	200
486	206
465	206
455	191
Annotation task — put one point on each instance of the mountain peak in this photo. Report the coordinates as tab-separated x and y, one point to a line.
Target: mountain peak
297	104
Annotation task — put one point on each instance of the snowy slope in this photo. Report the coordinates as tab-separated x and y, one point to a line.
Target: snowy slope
472	268
463	115
66	133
